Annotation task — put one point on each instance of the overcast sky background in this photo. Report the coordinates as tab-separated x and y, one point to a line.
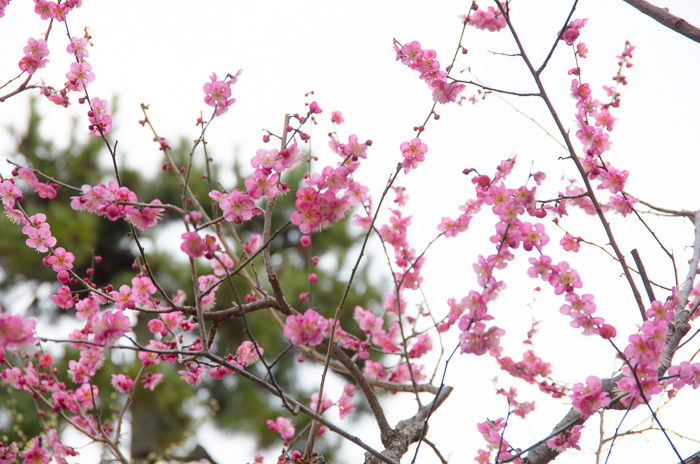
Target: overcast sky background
162	52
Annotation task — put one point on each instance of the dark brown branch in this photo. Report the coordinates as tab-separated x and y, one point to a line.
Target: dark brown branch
663	16
409	431
643	274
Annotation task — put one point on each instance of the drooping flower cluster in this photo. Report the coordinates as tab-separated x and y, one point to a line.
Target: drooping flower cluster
594	135
426	63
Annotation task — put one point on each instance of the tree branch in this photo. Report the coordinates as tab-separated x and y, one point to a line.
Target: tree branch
409	431
663	16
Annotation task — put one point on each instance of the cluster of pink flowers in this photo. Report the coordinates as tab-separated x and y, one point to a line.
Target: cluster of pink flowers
594	138
110	201
413	153
238	206
345	404
283	426
218	92
195	246
327	197
35	54
54	10
573	30
493	431
100	119
567	439
43	189
588	399
16	332
307	328
489	19
426	63
372	326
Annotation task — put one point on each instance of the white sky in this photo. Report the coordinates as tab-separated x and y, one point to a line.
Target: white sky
162	52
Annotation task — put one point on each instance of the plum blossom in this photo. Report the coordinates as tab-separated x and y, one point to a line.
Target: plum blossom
283	426
35	54
573	31
100	119
80	75
122	382
218	93
567	439
413	153
110	327
305	328
589	398
490	19
16	332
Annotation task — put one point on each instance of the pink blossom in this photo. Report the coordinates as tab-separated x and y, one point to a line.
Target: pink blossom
305	328
573	30
477	339
60	260
490	19
337	117
151	380
110	327
408	53
283	426
192	244
422	345
444	92
355	149
325	403
145	217
629	385
141	289
563	278
248	353
567	439
589	398
217	94
100	119
39	234
193	375
35	54
314	108
623	205
78	47
122	382
80	75
9	193
16	332
345	405
374	370
687	374
413	153
570	243
262	184
237	206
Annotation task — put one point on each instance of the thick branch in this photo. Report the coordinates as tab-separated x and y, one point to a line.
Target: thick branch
663	16
409	431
